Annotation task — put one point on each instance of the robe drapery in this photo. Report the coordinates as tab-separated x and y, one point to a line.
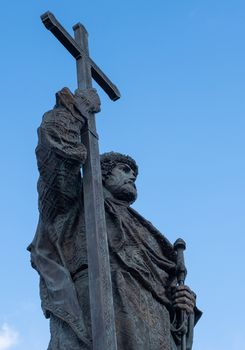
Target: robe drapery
143	262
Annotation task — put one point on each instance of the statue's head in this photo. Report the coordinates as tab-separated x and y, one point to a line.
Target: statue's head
119	173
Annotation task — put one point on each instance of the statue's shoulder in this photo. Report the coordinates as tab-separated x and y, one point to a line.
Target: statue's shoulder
165	244
57	114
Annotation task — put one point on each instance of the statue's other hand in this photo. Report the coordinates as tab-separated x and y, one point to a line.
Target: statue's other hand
184	299
88	99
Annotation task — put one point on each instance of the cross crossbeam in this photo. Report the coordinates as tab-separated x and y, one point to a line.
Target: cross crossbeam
75	50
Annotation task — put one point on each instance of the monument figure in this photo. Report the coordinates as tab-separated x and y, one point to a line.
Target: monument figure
135	297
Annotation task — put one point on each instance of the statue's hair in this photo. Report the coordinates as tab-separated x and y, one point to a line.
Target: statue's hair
110	159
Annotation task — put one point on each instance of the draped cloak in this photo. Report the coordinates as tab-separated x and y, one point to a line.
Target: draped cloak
143	262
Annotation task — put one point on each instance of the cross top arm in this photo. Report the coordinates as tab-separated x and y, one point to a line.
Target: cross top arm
52	24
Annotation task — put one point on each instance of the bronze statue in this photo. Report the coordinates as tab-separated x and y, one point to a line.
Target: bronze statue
147	300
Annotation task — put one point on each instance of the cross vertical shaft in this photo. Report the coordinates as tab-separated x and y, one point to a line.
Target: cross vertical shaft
100	289
84	79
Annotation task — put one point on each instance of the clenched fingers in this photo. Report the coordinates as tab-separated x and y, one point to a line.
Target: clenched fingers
184	299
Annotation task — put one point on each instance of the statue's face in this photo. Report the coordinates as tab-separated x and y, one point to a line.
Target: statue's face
120	182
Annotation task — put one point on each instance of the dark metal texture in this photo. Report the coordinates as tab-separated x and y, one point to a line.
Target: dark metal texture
141	277
179	247
70	44
101	299
100	289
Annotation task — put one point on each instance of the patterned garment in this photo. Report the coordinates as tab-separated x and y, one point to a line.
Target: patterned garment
142	260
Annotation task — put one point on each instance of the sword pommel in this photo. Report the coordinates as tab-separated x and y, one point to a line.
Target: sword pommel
179	244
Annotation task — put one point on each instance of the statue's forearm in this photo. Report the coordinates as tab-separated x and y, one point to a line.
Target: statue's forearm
60	155
60	133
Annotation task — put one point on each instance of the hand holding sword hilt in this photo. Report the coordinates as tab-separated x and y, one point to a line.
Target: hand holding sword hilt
179	247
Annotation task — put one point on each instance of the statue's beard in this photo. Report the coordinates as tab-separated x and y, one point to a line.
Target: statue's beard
126	192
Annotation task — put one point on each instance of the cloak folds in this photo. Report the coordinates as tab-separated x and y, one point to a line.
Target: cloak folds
143	262
143	272
142	265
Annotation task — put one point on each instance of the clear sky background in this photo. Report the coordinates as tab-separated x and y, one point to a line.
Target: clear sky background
180	67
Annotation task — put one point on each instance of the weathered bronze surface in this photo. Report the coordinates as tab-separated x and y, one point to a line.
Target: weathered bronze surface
154	310
77	52
101	299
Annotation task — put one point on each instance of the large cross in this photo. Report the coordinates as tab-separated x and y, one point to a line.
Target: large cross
100	288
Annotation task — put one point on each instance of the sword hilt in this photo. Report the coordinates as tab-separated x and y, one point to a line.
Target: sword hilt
179	247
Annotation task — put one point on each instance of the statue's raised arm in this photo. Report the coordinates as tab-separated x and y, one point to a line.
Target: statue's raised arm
55	253
60	152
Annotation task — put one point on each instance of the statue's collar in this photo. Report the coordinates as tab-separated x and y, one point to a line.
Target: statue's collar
118	202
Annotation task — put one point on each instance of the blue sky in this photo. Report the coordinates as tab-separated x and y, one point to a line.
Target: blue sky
180	68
